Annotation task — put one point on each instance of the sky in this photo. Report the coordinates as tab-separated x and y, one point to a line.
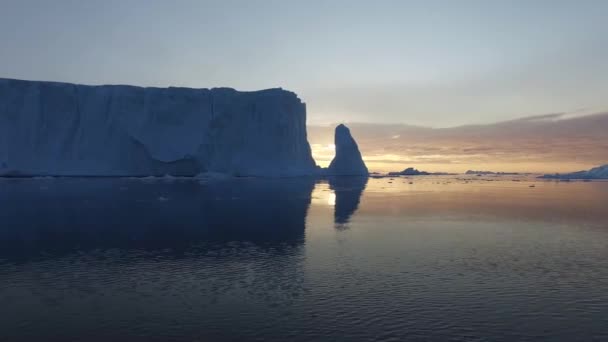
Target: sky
428	63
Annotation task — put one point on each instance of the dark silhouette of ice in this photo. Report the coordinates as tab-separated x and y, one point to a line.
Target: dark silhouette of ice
410	171
348	160
63	129
348	192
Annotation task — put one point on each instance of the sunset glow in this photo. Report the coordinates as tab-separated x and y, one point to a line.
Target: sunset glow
531	144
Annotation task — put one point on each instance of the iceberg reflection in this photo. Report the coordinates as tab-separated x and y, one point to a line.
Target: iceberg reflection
348	191
52	218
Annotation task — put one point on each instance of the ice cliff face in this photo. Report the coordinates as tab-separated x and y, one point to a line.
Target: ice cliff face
348	160
49	128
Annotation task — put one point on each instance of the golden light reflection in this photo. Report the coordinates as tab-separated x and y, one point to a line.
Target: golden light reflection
322	195
331	199
523	197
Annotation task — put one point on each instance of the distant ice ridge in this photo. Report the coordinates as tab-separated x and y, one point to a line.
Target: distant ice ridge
600	172
61	129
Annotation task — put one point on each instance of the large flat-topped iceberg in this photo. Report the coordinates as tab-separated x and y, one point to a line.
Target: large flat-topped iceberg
50	128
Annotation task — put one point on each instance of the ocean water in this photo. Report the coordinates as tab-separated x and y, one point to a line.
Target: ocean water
343	259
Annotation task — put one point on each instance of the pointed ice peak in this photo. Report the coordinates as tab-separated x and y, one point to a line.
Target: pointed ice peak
348	160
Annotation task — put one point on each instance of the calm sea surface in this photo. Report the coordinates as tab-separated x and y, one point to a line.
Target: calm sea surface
345	259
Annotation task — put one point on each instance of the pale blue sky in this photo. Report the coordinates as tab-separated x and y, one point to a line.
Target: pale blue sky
434	63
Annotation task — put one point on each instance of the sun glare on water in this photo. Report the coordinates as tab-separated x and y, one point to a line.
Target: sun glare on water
331	199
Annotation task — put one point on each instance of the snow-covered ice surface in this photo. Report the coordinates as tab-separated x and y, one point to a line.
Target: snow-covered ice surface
348	160
600	172
50	128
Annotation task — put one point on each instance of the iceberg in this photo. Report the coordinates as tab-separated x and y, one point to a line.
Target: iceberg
348	160
62	129
410	171
600	172
481	173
